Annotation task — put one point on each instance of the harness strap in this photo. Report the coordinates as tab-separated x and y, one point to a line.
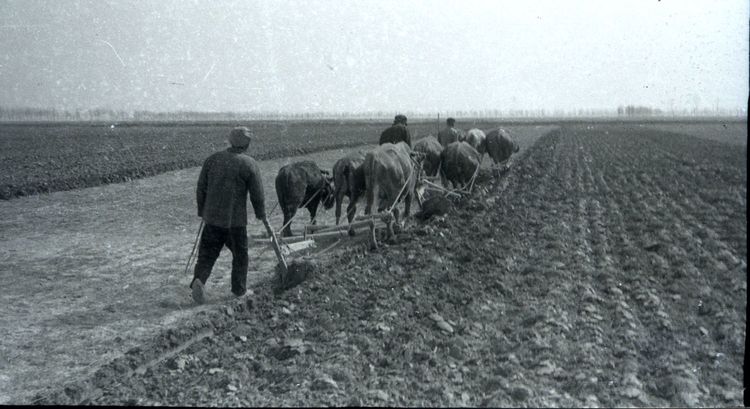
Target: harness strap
390	208
295	215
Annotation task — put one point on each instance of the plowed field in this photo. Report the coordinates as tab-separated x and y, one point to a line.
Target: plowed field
607	268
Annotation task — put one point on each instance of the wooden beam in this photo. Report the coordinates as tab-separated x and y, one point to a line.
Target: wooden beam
361	226
294	247
312	228
261	237
293	239
277	250
338	233
354	225
435	185
359	217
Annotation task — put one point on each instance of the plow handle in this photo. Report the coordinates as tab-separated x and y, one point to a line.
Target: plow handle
276	247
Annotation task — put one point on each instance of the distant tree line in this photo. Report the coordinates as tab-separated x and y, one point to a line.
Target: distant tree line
635	110
29	114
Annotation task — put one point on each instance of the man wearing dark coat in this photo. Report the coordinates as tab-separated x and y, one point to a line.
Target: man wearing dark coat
226	179
449	134
398	132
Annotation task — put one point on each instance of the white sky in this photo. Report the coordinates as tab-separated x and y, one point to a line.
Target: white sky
373	55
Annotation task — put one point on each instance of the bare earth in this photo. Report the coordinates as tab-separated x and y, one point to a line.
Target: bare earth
91	273
607	268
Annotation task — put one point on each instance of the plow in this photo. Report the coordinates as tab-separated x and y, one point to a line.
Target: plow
293	265
431	182
292	272
295	261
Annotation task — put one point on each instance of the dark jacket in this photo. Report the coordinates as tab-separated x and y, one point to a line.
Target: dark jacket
447	136
395	134
224	182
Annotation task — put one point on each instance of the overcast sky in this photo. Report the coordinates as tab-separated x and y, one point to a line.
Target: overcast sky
373	55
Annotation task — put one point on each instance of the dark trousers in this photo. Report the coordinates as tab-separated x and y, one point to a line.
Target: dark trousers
213	240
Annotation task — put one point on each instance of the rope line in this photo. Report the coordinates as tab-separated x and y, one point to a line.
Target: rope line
476	172
300	207
390	209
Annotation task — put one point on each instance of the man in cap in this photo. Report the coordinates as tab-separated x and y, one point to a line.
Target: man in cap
398	132
225	180
449	134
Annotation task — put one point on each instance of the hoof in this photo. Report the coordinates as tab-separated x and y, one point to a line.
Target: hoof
352	233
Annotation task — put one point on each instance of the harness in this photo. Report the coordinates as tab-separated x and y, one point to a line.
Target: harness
300	207
415	169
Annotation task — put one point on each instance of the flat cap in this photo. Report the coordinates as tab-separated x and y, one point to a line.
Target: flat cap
240	137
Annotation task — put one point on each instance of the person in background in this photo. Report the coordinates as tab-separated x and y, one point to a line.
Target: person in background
398	132
226	179
449	134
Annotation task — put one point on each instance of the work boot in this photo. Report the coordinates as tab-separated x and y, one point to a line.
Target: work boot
197	287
